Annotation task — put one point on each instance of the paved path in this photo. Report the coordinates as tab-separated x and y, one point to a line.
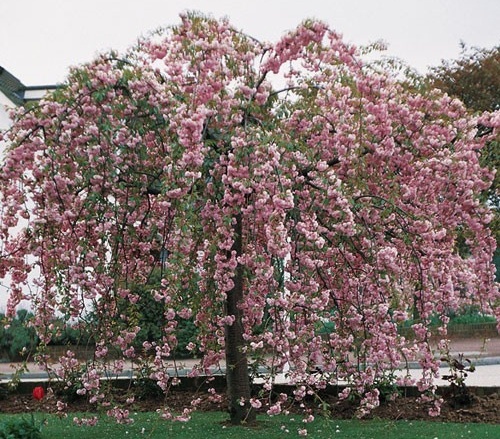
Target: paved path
484	354
476	348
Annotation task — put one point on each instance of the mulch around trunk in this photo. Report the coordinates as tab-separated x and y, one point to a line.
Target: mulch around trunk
482	408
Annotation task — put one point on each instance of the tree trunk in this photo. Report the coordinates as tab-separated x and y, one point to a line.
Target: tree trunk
237	377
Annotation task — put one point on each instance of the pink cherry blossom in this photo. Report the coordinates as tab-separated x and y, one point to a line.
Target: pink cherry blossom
344	201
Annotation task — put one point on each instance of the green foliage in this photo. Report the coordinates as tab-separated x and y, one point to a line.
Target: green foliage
65	334
149	315
467	316
21	428
387	386
470	316
325	327
18	339
144	386
187	332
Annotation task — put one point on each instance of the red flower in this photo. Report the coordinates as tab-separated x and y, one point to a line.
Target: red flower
38	393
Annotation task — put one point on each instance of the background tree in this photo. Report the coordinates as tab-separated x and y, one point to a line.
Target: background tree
336	196
474	78
18	340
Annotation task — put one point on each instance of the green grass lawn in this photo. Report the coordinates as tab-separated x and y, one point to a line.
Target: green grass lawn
211	425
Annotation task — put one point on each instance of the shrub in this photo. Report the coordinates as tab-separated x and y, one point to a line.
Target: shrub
18	340
21	429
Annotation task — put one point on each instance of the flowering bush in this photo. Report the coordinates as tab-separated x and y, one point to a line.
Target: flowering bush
268	188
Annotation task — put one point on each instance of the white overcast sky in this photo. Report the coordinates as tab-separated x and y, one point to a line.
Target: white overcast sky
40	39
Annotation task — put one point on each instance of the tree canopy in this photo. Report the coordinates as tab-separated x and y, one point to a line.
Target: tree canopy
267	190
